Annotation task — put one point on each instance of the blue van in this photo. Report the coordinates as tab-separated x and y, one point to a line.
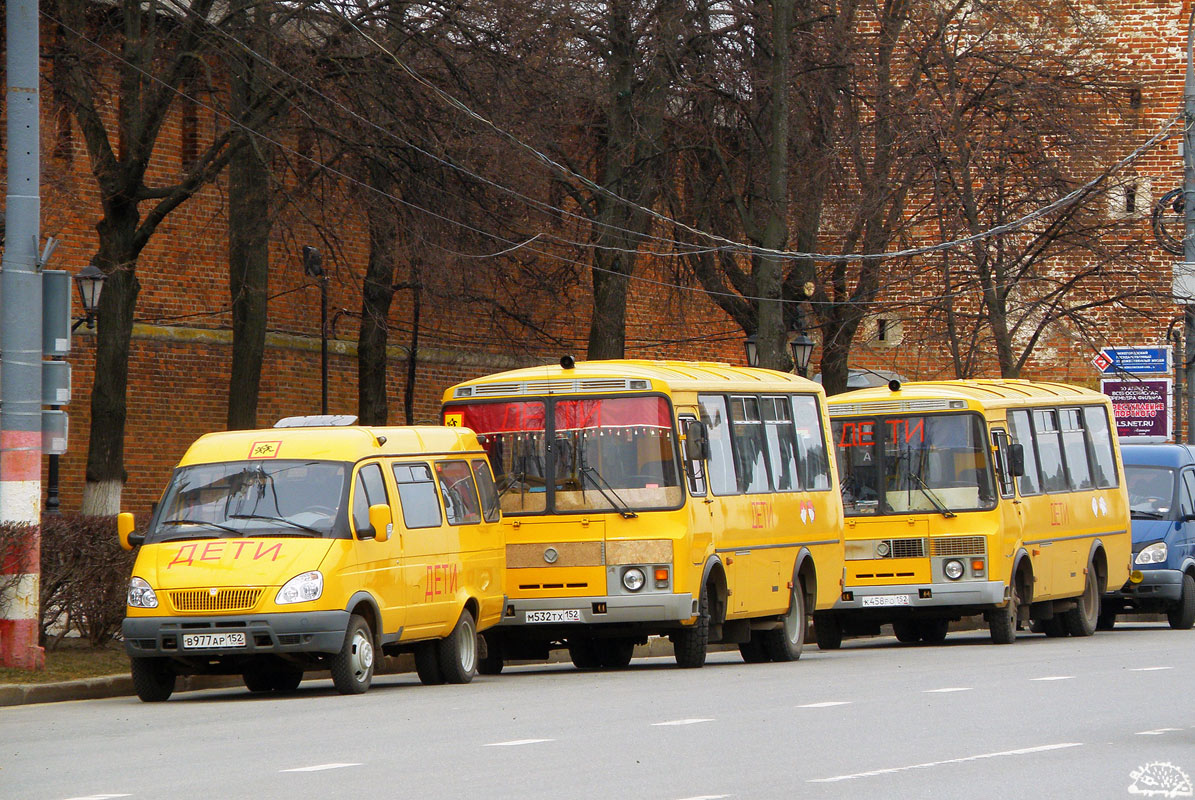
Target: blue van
1161	482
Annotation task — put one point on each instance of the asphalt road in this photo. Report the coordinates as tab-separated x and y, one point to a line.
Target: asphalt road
1050	718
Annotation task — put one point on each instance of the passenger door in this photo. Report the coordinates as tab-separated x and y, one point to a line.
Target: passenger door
380	563
426	542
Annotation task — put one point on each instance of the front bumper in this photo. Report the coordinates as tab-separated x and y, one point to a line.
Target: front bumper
1165	585
664	607
881	599
280	633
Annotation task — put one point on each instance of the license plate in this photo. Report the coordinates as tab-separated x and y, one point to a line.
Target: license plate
563	615
888	600
212	641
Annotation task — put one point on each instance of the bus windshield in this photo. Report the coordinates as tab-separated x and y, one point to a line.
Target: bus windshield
253	498
934	463
607	454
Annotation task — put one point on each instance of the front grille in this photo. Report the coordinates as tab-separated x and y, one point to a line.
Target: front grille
959	546
908	548
222	600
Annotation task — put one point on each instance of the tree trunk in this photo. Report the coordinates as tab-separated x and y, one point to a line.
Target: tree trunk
377	294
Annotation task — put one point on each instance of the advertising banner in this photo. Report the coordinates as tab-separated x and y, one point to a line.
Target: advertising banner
1142	408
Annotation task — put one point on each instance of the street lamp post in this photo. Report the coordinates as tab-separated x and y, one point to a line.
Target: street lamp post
1189	221
90	281
802	347
312	266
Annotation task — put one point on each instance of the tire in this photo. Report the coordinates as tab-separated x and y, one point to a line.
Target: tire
1002	622
1081	620
427	664
785	643
153	679
457	651
827	630
907	631
615	653
690	644
491	663
1182	615
352	667
933	631
583	653
1106	621
753	651
1053	628
272	675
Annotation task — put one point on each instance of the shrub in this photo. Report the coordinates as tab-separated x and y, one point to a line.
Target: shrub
84	578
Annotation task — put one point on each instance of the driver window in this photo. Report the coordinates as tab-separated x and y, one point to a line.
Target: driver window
368	490
459	492
1186	494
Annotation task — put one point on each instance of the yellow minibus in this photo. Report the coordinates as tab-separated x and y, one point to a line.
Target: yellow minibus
997	497
314	545
693	500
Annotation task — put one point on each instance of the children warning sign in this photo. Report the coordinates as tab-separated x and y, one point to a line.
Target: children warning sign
1142	408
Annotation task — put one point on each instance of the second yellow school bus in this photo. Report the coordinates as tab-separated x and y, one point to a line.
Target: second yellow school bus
1000	497
694	500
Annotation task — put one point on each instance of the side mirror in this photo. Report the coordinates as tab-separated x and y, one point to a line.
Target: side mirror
1016	460
124	530
697	442
381	521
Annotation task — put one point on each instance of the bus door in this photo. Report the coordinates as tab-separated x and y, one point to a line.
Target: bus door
379	562
1012	510
704	513
429	575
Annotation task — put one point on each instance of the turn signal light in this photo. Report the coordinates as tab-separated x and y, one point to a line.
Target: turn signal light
1136	576
661	573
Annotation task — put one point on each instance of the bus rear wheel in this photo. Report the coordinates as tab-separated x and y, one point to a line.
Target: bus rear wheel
1081	620
690	644
753	651
457	652
785	643
827	630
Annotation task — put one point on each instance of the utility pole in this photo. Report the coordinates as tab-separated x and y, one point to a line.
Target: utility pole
21	343
1189	225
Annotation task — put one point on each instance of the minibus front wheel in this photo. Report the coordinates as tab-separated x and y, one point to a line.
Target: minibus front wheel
153	679
352	667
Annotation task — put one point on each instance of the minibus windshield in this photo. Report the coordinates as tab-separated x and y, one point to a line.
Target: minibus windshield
934	463
253	498
1151	491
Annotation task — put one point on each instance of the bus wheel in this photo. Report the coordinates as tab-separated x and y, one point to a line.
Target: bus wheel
1081	620
933	631
457	652
785	643
1106	621
690	644
1182	615
615	653
427	664
907	631
153	678
1053	627
828	631
753	651
1002	622
352	667
491	663
583	652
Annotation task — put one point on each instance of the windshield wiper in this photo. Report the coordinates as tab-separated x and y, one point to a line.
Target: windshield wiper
1140	512
933	498
181	521
594	476
298	525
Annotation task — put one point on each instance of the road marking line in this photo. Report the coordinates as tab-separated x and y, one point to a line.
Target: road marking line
1149	669
707	797
517	742
1157	732
952	689
1055	678
1020	752
827	704
319	767
100	797
680	722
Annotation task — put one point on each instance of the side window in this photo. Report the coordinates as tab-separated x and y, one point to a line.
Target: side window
812	457
417	496
1001	441
1049	450
1074	444
749	445
782	442
1022	434
368	490
1186	493
694	470
459	492
1103	459
717	424
490	507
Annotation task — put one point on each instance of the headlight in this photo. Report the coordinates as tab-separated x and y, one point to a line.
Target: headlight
633	579
301	588
1154	554
954	569
141	595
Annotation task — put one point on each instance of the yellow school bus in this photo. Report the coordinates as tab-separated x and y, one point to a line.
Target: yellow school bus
997	497
310	546
693	500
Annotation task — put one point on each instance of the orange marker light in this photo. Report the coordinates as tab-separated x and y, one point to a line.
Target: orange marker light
977	565
661	573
